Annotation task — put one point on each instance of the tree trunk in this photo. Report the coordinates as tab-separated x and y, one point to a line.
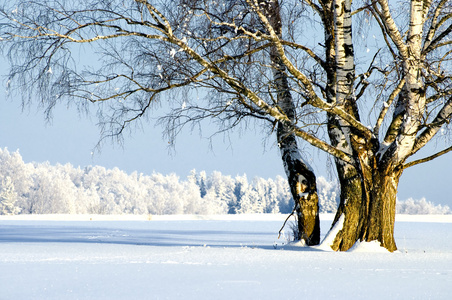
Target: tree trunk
340	73
350	210
380	226
302	182
371	216
369	184
301	177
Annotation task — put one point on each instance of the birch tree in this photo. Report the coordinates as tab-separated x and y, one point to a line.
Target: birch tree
301	176
256	61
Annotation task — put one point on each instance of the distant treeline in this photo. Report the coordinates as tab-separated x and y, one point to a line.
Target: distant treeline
41	188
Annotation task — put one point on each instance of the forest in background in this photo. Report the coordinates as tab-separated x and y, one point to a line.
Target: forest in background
42	188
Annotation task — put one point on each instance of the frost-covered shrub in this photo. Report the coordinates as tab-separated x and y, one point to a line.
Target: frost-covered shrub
421	207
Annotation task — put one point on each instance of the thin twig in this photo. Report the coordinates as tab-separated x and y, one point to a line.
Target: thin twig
291	214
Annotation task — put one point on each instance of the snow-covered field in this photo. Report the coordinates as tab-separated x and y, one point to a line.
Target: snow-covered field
219	257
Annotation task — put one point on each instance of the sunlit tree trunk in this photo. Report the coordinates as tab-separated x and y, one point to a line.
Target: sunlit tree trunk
301	177
382	207
340	75
368	205
412	103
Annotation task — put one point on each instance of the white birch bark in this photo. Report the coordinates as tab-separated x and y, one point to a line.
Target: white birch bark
344	51
345	74
415	92
301	177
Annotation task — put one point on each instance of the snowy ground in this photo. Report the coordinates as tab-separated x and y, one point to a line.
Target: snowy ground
223	257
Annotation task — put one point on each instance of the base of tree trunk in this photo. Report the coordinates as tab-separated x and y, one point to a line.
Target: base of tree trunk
309	220
369	212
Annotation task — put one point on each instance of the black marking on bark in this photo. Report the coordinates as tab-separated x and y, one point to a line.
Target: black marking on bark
348	49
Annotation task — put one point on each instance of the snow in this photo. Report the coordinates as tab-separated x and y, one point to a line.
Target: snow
331	235
213	257
372	246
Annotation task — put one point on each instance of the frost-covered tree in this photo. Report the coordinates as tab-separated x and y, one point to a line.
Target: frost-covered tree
8	197
328	195
52	191
421	207
13	167
285	200
272	206
296	65
97	190
220	193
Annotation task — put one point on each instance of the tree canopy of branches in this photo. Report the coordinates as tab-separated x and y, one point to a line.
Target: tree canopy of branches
297	65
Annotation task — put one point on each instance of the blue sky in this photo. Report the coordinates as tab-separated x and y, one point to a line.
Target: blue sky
70	138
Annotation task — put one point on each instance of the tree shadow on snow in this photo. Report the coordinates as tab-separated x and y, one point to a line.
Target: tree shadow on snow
151	237
30	233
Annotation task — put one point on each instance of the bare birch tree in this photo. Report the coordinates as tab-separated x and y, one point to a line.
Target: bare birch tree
257	61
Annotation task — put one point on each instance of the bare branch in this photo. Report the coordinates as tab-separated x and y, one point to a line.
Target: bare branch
434	25
312	97
426	159
391	27
443	116
386	106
